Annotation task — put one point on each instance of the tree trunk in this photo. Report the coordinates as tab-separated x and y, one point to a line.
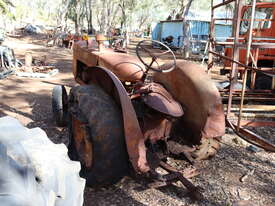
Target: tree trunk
90	22
62	20
76	26
124	17
76	23
103	18
186	42
88	15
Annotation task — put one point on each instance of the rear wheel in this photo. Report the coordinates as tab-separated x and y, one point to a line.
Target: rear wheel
97	136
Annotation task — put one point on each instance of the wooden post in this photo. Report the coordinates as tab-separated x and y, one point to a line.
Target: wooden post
28	59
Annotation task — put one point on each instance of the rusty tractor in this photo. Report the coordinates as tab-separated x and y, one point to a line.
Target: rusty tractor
130	113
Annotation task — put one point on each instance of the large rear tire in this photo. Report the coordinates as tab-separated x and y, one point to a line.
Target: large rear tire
97	136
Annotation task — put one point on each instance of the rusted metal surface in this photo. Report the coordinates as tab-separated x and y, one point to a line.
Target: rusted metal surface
82	143
100	39
256	108
187	173
264	71
248	44
254	123
254	45
192	87
234	67
246	41
133	134
235	31
178	149
158	98
249	41
194	191
124	66
156	128
186	85
251	137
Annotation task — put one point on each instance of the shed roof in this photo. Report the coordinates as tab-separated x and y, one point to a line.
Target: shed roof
205	16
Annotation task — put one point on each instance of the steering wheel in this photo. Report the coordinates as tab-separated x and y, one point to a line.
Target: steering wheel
154	49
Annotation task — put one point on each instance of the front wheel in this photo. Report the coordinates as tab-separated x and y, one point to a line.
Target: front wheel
97	136
60	105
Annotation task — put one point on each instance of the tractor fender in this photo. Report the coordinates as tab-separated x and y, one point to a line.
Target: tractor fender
193	88
132	131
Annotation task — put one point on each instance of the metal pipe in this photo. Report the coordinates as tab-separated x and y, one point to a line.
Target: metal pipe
222	4
253	73
234	69
211	39
266	71
246	61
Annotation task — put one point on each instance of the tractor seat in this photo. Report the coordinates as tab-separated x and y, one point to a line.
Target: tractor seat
124	66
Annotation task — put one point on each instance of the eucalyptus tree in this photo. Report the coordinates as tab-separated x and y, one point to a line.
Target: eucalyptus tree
89	14
4	6
107	14
76	13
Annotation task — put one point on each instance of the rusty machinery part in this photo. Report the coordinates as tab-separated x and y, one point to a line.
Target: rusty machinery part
60	105
173	175
96	136
251	137
263	78
268	72
157	159
168	179
196	92
194	192
207	149
126	67
154	125
157	97
153	50
100	38
132	131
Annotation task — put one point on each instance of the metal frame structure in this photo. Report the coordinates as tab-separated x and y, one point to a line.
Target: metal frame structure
236	44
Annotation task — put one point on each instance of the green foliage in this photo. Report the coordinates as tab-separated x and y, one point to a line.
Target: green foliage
99	14
4	8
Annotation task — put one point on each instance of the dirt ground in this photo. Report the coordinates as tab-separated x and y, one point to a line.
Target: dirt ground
29	100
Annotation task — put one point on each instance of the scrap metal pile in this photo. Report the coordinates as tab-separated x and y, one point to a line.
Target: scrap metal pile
36	67
249	52
8	62
33	67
